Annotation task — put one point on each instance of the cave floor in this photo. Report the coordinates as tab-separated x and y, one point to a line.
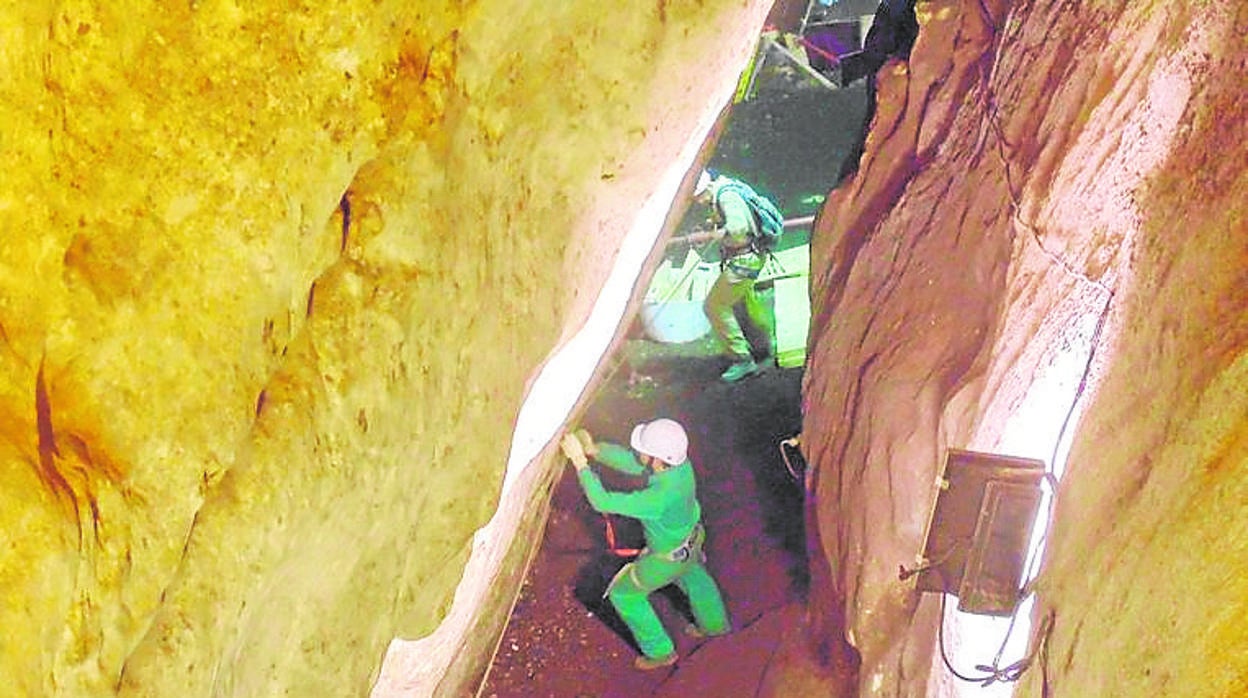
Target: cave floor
563	639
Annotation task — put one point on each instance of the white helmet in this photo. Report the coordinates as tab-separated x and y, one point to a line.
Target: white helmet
664	439
704	183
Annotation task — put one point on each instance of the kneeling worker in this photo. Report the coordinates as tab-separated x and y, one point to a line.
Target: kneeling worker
671	521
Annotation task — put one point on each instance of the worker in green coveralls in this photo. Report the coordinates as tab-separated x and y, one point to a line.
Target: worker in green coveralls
671	520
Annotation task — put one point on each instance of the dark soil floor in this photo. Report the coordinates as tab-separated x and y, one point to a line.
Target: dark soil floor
564	641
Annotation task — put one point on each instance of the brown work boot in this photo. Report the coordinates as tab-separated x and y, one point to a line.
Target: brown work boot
647	663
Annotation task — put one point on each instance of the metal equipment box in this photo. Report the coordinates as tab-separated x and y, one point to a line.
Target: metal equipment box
978	534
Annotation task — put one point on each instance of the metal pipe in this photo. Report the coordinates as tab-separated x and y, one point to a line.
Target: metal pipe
798	222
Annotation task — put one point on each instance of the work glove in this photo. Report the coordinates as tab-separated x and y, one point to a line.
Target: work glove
572	448
587	443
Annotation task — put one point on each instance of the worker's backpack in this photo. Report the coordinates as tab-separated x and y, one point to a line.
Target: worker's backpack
770	220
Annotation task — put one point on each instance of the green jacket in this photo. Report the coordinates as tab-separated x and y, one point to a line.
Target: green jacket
667	507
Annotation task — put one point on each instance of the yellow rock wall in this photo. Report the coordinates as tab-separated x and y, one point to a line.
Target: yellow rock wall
273	277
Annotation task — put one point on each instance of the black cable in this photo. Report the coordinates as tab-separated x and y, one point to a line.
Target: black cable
944	656
991	673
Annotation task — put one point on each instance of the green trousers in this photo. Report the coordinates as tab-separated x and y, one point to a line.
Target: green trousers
728	291
630	595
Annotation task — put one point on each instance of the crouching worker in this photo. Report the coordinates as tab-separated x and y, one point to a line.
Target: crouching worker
671	521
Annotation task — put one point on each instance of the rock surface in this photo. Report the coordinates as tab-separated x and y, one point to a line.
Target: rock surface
273	281
1044	187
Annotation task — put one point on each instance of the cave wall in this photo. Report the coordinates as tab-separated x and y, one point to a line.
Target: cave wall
1147	583
273	280
1045	184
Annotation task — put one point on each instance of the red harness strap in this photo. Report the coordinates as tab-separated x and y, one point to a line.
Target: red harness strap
611	545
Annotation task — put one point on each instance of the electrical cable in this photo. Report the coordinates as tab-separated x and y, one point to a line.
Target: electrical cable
792	442
992	673
944	656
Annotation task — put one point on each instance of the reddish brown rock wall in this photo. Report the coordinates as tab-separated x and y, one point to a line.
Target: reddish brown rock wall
1030	161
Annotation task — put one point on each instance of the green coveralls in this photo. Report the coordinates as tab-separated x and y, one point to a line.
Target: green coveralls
670	517
735	284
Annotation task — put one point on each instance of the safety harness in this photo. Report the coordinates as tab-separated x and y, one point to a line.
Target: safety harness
611	543
680	553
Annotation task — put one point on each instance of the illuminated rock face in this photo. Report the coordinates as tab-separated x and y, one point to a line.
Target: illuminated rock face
272	280
1032	175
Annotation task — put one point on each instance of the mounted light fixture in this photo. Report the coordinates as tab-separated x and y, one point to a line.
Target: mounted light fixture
978	534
